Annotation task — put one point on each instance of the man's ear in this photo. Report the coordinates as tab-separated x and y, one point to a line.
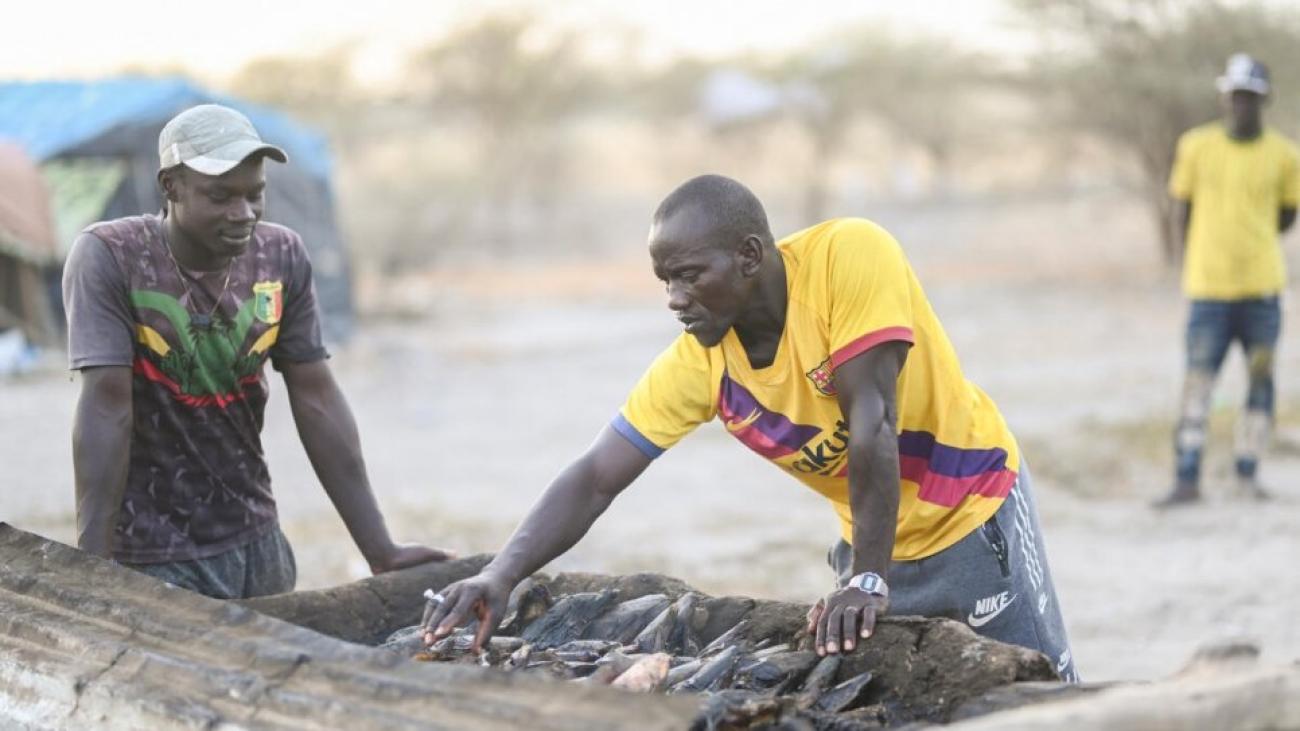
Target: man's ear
168	180
751	253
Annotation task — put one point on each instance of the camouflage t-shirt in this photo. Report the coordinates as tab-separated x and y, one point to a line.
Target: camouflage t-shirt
198	483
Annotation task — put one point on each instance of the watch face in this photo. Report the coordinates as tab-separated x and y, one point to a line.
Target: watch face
870	583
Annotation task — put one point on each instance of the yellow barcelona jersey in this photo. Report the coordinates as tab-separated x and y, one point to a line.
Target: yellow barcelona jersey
849	288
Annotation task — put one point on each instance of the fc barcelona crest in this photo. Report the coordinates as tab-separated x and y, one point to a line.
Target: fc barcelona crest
821	378
269	303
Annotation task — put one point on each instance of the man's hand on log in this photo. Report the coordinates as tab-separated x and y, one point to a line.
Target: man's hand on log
484	596
842	617
406	555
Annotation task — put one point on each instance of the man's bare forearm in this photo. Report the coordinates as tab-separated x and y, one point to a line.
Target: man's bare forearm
101	454
866	390
562	516
329	435
1182	219
873	497
569	506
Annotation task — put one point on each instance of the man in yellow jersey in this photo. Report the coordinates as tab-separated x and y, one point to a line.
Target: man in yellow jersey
820	353
1236	184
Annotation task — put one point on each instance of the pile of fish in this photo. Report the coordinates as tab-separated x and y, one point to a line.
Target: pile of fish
652	643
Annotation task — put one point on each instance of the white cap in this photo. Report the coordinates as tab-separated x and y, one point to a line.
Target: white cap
1243	73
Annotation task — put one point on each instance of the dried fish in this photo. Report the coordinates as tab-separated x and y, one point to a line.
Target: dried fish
604	675
775	673
618	661
459	645
624	622
579	670
822	675
519	658
505	645
406	641
556	669
646	675
568	618
762	653
844	695
654	638
528	602
683	637
751	675
683	671
731	637
714	675
584	650
453	645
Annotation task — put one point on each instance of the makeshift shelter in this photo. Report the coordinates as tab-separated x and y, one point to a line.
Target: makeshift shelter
27	248
97	144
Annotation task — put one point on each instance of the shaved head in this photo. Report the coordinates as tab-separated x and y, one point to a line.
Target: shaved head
724	208
711	247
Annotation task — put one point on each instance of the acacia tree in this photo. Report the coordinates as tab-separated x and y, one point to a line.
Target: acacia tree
513	85
1137	73
319	89
920	87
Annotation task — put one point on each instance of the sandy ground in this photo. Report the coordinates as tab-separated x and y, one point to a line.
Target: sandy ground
467	411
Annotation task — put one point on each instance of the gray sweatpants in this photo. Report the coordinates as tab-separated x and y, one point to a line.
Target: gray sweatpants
996	580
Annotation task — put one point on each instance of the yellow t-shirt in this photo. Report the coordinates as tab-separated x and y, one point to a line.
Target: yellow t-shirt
849	288
1236	189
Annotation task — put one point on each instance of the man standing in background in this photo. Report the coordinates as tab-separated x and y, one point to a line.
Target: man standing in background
1236	184
171	319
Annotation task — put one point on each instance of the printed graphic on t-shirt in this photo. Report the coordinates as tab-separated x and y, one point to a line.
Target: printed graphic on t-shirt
203	366
269	302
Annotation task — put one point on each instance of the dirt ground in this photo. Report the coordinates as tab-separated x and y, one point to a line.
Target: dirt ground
492	381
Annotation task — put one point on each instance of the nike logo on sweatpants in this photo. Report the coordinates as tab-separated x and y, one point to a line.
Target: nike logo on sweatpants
989	607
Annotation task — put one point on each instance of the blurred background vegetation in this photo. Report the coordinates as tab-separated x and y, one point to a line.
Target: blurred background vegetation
508	139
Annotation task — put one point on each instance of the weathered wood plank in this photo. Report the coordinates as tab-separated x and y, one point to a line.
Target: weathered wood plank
86	643
1251	699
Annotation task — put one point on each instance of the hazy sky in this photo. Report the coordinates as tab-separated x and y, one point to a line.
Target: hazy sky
53	38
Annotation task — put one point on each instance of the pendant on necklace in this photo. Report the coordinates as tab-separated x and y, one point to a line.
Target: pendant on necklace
200	320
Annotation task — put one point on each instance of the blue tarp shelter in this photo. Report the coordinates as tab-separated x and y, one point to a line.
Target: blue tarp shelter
97	144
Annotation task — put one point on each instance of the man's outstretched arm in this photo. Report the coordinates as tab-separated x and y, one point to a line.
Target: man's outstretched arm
562	516
329	435
101	452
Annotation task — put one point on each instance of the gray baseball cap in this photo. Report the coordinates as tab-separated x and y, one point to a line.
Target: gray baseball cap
211	139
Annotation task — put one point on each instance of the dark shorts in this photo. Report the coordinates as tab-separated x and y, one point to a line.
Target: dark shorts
1213	325
260	567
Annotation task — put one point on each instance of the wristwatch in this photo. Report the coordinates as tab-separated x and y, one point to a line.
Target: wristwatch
871	583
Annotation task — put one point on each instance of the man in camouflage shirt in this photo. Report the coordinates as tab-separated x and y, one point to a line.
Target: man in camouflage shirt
170	320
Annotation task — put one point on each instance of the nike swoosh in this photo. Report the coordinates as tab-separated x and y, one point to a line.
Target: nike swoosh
974	621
